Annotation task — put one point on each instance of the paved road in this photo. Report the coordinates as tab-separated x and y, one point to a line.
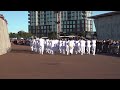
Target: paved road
20	63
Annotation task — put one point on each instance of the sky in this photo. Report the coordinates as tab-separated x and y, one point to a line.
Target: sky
18	20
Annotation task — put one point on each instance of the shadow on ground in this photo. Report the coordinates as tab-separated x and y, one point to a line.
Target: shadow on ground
107	54
21	51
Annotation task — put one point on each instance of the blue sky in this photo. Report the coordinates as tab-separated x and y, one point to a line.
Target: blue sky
18	20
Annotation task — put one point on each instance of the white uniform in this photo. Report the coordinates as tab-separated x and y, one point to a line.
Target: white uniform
71	46
52	46
67	47
93	46
79	46
31	45
60	46
57	45
34	45
63	46
88	46
82	47
37	44
41	49
76	46
47	47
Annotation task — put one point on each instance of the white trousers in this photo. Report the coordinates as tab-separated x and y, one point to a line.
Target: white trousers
71	50
82	50
67	50
93	50
41	50
88	49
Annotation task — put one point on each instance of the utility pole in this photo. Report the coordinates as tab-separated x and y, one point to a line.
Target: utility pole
58	22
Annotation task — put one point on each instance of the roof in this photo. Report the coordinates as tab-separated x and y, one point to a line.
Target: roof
105	15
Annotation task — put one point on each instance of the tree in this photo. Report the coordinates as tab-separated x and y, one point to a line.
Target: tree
12	35
82	33
52	35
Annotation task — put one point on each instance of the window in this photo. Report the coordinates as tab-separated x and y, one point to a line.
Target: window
82	21
70	30
73	22
67	26
78	26
82	25
73	26
67	22
44	31
70	26
64	22
78	22
70	22
78	29
67	30
44	27
33	31
41	27
61	26
47	27
64	26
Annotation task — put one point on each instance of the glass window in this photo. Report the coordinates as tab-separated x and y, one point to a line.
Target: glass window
82	21
78	22
70	22
67	22
44	27
33	31
61	26
73	26
41	27
82	25
73	22
47	27
67	26
70	30
64	26
70	26
78	26
67	30
64	22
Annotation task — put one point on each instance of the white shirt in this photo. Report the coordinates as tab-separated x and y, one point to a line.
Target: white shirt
88	43
93	42
71	44
82	42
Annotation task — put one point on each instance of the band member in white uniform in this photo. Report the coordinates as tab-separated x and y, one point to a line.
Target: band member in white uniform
63	46
41	49
31	44
82	47
93	46
67	47
88	46
71	46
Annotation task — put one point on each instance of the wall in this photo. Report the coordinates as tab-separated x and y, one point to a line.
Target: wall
108	27
5	44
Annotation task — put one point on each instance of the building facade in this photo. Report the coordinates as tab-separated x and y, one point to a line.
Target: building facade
43	22
108	26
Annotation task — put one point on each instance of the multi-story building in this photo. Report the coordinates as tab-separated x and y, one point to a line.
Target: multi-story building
43	22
